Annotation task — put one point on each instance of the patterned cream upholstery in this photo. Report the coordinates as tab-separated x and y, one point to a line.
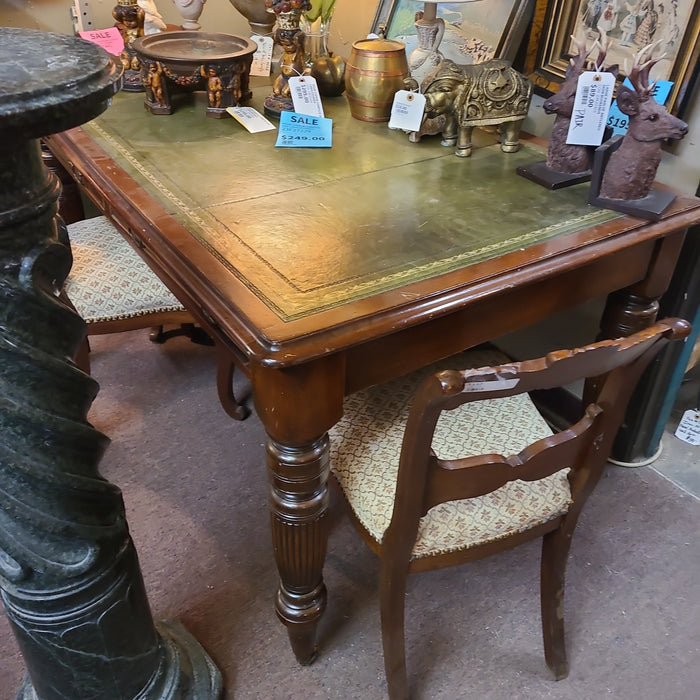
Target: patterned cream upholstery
108	280
366	444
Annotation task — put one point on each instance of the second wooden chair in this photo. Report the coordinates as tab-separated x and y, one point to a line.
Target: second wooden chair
448	467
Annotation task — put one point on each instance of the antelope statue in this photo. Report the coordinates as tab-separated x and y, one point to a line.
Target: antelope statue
630	172
561	156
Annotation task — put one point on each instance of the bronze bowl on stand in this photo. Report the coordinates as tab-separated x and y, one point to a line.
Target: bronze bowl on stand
190	60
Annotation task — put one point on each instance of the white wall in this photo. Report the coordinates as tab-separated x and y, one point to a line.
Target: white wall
680	166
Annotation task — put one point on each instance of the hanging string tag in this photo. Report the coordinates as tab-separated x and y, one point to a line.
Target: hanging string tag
407	110
689	428
591	105
262	58
494	383
305	95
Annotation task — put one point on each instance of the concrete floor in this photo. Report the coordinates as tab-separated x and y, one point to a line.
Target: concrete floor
195	492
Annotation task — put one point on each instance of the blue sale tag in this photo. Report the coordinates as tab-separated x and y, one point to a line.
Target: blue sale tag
619	122
302	130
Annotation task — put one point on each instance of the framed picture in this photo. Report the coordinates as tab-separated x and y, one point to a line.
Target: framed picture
474	31
630	25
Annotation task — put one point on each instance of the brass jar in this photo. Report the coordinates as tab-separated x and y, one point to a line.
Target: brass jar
374	72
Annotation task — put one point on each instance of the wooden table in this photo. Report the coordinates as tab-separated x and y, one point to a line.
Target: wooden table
322	271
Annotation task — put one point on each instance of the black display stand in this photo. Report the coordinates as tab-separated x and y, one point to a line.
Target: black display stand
69	574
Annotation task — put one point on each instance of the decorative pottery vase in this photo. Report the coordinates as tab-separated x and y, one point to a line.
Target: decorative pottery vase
426	56
260	20
190	11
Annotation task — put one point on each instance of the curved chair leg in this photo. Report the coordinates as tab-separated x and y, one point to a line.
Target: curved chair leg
555	550
224	385
392	593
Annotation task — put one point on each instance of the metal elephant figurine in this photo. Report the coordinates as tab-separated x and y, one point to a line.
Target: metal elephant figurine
459	98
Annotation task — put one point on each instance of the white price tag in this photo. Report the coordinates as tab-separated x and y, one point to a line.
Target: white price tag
262	58
407	111
688	429
305	96
591	105
251	119
498	385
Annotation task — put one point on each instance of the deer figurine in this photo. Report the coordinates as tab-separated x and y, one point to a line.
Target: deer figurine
630	171
561	156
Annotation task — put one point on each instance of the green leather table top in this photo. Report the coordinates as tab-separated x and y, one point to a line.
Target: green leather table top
310	229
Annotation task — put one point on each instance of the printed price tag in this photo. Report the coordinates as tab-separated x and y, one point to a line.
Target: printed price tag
305	95
591	105
619	122
407	111
262	58
109	39
303	130
251	119
688	429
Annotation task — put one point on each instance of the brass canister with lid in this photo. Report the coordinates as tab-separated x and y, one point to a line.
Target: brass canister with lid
374	72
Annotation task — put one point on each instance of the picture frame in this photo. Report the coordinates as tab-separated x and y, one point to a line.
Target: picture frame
474	31
676	23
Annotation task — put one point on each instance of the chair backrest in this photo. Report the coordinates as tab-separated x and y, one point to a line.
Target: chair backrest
424	480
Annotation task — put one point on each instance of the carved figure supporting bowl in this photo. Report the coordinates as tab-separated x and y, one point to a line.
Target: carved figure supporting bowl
173	62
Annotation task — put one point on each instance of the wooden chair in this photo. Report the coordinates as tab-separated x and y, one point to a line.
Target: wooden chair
472	469
114	290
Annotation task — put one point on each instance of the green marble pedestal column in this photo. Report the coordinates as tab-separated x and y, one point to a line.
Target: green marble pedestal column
69	575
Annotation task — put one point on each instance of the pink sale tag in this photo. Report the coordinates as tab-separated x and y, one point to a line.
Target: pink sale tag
109	39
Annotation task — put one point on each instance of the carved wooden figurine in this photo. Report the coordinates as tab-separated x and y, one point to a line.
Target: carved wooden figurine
563	157
631	169
484	94
129	18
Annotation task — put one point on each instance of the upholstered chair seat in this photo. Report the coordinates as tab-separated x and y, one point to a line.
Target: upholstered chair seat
110	282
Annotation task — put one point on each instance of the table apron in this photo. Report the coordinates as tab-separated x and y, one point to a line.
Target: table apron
493	316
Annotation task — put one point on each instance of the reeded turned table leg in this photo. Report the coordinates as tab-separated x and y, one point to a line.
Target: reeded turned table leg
297	405
299	520
70	579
